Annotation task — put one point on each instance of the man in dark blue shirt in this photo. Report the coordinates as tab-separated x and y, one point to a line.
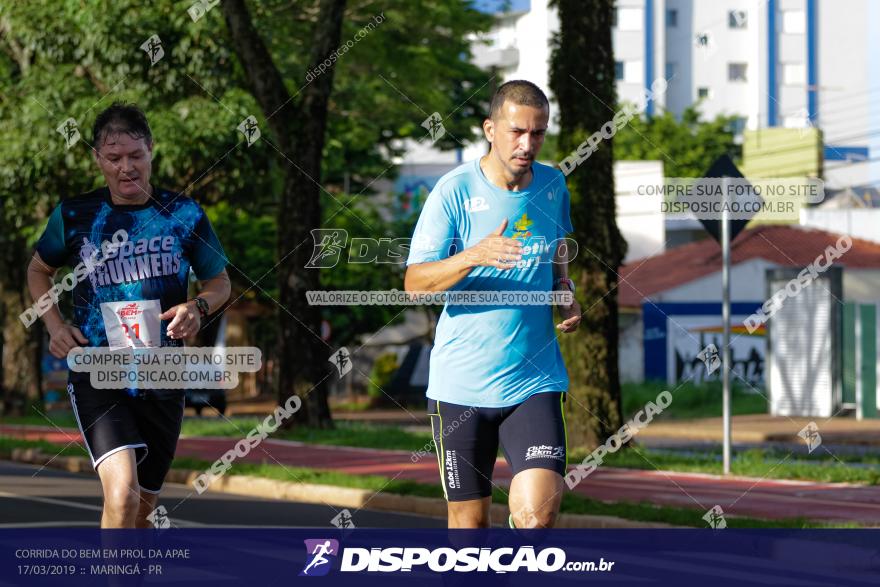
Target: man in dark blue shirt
135	297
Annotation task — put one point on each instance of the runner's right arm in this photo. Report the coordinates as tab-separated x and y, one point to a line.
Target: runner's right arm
51	253
493	251
62	336
430	266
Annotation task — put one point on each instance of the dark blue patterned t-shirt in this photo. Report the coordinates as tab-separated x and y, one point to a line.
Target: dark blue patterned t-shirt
166	236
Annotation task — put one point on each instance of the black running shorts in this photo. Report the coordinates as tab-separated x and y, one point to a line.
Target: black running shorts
531	435
110	420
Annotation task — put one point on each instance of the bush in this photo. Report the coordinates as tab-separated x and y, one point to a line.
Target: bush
381	375
692	401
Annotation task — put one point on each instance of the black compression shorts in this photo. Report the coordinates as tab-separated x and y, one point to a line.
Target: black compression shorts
531	435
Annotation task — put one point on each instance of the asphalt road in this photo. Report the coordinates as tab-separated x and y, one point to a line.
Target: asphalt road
737	496
33	496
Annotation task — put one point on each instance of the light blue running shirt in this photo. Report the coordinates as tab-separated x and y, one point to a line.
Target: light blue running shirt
495	356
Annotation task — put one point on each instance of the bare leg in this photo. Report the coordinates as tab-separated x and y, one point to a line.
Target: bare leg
472	513
147	505
535	497
118	474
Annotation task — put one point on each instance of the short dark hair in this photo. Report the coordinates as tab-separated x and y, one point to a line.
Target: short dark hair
519	92
121	117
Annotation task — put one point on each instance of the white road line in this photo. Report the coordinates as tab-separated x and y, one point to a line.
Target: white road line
52	501
82	506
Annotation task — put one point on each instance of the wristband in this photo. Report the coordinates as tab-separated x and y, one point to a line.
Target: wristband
566	281
202	306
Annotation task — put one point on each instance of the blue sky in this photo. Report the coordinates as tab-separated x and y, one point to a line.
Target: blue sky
496	5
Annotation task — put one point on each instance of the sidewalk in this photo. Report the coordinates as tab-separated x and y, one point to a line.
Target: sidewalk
752	428
766	428
737	496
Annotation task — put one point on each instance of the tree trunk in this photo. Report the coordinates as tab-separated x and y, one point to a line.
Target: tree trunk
298	127
582	80
20	348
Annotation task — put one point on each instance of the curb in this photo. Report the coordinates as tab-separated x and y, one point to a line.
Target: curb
347	497
702	435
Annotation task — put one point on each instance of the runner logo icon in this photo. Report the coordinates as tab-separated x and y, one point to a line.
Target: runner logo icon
320	554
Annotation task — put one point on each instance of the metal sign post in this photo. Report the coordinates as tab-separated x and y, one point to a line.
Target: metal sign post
725	319
724	230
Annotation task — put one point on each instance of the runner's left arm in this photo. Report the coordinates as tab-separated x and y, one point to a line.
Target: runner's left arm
185	317
208	262
571	314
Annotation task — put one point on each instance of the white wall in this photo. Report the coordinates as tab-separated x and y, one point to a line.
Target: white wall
748	284
856	222
861	285
639	218
628	40
710	65
849	77
631	359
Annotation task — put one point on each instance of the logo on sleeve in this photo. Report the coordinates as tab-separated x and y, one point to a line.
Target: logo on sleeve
477	204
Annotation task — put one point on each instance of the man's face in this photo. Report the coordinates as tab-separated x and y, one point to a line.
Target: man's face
126	163
517	134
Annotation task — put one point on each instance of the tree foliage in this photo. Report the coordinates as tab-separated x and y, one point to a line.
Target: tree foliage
70	59
687	145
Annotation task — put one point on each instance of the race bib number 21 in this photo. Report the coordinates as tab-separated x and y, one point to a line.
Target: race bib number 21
132	324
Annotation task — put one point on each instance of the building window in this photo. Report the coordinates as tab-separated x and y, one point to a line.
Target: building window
737	19
672	18
702	40
738	125
629	19
703	93
736	72
794	22
629	72
794	74
671	70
